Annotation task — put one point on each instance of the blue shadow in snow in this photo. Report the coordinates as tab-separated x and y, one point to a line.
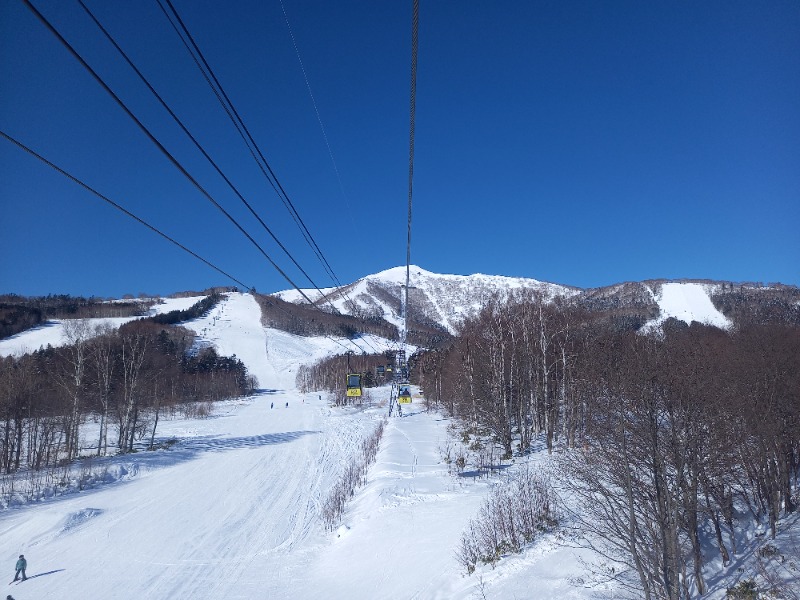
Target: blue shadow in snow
265	392
43	574
188	449
39	327
181	451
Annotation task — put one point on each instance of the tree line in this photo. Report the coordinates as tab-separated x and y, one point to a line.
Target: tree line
18	313
329	373
669	440
307	321
125	379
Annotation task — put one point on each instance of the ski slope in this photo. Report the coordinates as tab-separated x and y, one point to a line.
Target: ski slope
52	332
686	302
231	510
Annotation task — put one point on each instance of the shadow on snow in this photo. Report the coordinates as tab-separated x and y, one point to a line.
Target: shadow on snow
43	574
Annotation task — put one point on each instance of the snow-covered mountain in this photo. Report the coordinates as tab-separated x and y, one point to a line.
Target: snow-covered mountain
446	300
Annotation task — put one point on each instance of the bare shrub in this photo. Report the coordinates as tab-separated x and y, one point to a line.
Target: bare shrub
197	410
354	476
518	510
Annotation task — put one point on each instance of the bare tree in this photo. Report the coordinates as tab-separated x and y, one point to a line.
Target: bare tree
102	354
70	376
134	350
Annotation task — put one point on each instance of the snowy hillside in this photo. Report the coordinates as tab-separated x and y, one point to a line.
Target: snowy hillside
230	506
232	509
52	332
446	300
273	356
686	302
443	299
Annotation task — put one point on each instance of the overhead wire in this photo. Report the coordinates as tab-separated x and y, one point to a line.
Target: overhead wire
208	73
343	289
152	228
413	110
119	207
196	143
158	144
245	132
168	155
316	108
233	115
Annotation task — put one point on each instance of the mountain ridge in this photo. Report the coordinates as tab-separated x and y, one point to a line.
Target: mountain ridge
447	300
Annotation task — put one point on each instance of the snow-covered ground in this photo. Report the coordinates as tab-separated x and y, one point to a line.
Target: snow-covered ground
52	332
686	302
232	510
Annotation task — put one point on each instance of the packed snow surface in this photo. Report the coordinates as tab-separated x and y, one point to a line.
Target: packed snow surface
687	302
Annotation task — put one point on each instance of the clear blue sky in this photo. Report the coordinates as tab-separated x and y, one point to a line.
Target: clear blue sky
583	143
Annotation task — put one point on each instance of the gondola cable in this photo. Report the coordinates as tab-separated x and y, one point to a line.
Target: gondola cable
197	144
167	154
239	124
146	224
282	194
342	289
316	108
413	108
160	146
119	207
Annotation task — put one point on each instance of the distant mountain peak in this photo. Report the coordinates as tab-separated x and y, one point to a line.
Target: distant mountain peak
444	301
435	299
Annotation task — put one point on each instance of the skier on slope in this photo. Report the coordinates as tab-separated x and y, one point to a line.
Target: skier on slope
22	564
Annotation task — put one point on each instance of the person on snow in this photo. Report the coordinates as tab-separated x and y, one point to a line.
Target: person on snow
9	597
22	564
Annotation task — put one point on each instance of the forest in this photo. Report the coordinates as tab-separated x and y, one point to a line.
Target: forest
125	379
18	313
667	439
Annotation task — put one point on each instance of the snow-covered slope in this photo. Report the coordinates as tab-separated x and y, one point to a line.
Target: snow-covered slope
273	356
686	302
232	510
52	332
434	298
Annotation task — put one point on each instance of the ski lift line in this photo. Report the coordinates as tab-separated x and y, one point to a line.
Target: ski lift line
120	208
283	195
196	143
197	57
160	146
216	92
413	109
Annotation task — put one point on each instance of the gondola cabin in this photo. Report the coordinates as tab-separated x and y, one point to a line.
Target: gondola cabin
380	370
354	385
404	396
